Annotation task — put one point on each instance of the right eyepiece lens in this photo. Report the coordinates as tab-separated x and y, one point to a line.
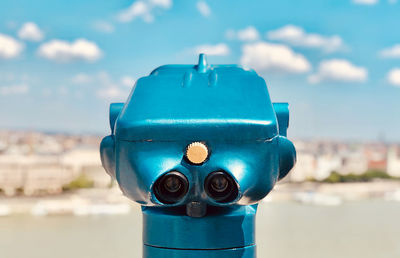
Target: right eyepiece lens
219	183
171	187
221	187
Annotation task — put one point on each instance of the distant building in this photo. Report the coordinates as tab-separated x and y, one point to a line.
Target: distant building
327	163
32	174
353	163
304	168
393	161
11	178
377	157
86	160
46	178
35	163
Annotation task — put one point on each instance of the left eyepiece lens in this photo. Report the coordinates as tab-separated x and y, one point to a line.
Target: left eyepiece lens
171	187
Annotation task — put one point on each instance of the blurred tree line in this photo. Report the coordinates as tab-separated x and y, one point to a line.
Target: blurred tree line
368	176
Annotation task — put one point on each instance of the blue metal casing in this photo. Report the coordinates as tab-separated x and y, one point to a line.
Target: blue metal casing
229	109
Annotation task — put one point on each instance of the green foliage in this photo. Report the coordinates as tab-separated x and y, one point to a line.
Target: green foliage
334	177
368	176
371	174
80	182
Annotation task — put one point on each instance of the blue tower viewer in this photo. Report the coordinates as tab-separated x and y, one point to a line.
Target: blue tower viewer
198	146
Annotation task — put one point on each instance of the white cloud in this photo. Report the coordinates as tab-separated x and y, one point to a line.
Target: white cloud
9	47
105	87
127	81
111	93
392	52
30	31
63	51
338	70
16	89
296	36
392	1
16	77
103	26
63	91
213	50
101	78
263	56
203	8
143	9
247	34
82	78
137	9
366	2
162	3
393	77
110	90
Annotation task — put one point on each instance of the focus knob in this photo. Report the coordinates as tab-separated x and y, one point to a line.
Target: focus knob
197	153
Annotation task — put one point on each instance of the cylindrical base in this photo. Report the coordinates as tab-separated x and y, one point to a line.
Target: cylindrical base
223	232
156	252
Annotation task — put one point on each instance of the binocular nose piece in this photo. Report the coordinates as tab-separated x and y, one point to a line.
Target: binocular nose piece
196	209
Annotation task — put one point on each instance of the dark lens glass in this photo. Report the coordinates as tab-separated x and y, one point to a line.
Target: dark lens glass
221	187
172	184
171	187
219	183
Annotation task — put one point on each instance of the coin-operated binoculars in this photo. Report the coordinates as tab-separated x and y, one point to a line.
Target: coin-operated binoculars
198	146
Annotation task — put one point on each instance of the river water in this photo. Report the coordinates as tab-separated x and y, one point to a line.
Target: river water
369	229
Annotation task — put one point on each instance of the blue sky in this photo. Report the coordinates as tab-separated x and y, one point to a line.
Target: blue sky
336	62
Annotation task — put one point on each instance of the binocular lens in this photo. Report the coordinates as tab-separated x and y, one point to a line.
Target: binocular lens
171	187
221	187
172	184
219	183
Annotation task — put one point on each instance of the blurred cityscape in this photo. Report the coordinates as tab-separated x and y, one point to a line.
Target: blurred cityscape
42	173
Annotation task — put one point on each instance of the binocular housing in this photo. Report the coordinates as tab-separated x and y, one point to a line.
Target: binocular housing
226	109
202	137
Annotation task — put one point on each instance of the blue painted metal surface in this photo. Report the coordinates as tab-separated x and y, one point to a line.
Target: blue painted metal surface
228	109
232	226
243	252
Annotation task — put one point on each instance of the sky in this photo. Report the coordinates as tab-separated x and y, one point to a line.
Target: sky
336	62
